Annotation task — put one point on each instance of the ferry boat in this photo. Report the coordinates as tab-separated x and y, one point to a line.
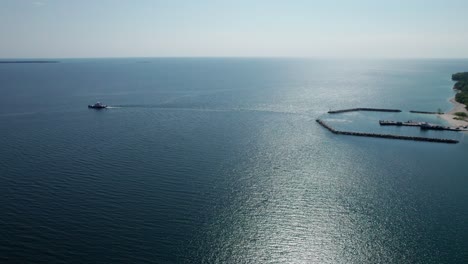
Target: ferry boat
97	105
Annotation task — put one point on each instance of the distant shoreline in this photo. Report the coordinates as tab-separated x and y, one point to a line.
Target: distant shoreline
30	61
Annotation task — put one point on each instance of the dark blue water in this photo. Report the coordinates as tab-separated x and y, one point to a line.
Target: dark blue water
221	161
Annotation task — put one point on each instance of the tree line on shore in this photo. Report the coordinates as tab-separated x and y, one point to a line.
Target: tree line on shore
461	86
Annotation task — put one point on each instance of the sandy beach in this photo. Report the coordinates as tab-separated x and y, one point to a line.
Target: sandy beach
457	107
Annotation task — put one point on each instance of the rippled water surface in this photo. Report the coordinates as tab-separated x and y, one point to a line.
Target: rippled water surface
221	161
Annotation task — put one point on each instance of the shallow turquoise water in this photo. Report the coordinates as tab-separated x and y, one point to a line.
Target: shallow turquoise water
221	160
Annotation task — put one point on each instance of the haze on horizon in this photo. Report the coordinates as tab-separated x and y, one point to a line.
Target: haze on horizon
243	28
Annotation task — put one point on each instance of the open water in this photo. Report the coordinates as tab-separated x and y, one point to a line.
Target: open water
221	161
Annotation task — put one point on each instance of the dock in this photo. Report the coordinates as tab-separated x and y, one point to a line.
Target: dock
398	123
422	125
389	136
363	109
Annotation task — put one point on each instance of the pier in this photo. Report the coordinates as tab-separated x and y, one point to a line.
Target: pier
422	125
389	136
363	109
398	123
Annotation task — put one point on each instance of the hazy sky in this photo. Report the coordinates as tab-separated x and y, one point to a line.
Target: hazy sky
135	28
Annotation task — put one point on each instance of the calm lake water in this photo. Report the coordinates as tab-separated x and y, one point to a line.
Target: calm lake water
221	161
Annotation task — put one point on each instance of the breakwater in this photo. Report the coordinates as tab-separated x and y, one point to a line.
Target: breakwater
425	112
363	109
389	136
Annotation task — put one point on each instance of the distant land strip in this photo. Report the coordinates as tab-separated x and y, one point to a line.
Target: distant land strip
29	61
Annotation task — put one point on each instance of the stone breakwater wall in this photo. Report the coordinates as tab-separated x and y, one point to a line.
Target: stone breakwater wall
363	109
389	136
425	112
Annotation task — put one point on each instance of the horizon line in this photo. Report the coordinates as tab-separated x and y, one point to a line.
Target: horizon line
232	57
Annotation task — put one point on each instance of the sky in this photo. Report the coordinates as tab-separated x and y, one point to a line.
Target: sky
226	28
